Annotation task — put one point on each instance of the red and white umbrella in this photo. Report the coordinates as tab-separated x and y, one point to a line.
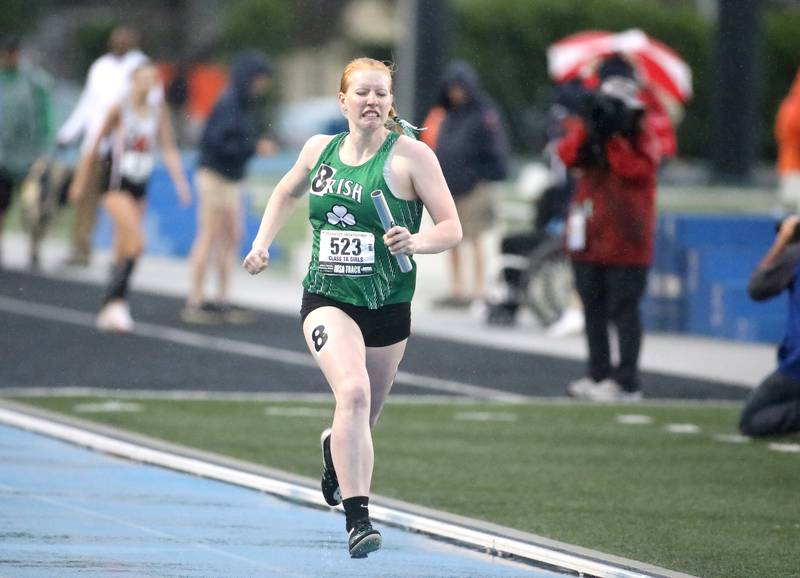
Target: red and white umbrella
659	65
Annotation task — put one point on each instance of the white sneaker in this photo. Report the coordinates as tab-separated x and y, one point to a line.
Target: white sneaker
104	321
125	321
571	322
581	387
115	317
608	391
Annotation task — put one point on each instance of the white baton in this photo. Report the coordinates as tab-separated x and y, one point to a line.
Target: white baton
388	222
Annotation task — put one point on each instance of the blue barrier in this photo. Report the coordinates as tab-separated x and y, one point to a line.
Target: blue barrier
698	281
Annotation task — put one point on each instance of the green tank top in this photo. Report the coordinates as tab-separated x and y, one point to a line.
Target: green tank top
349	260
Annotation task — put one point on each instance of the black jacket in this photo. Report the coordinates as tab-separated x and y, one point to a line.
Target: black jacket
230	135
472	144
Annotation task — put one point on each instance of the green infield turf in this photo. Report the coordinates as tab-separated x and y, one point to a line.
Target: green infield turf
663	484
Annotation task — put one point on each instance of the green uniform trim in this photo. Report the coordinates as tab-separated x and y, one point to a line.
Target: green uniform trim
353	267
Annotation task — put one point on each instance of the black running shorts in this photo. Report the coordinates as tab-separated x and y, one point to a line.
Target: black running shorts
380	327
6	190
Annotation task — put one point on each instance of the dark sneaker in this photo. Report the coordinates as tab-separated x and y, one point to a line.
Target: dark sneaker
236	315
329	483
452	302
363	539
204	314
501	314
76	261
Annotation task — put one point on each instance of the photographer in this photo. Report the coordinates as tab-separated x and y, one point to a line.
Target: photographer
774	406
615	156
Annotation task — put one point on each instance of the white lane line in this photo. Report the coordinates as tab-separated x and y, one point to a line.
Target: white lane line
785	448
112	406
731	438
396	398
486	541
244	348
484	416
633	419
204	395
181	394
682	428
298	412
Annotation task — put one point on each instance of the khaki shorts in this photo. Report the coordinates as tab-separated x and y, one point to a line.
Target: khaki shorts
476	211
217	192
789	191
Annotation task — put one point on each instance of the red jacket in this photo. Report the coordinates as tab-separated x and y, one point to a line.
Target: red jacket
618	200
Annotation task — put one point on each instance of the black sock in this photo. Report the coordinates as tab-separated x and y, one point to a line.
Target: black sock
120	276
355	510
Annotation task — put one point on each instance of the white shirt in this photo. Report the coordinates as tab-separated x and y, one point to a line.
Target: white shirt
106	85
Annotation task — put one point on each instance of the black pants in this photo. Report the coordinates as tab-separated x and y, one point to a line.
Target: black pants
6	190
612	294
519	245
773	408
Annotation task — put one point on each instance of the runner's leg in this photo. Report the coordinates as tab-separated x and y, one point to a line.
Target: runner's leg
382	364
337	345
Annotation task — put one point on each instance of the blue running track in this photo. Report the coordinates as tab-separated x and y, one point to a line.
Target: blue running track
66	511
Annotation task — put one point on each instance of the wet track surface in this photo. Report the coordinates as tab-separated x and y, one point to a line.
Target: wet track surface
66	511
42	350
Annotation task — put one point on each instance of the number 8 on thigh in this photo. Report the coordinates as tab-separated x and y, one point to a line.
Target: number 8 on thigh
331	332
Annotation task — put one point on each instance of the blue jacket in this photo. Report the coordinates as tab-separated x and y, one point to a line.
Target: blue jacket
230	135
472	144
768	282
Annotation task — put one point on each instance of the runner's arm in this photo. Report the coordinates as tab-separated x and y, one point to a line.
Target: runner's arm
776	271
84	164
282	203
172	158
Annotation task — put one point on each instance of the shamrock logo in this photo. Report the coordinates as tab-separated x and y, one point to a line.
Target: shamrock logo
338	215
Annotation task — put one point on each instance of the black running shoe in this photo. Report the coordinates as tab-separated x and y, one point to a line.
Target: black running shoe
329	483
363	539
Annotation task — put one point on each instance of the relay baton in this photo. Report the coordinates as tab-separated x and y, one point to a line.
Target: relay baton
388	222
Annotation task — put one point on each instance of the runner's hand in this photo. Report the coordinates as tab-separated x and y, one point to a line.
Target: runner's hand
399	240
256	261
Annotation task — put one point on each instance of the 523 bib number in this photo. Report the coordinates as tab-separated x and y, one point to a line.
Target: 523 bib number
350	253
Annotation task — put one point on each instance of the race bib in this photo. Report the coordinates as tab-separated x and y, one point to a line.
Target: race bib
350	253
576	230
137	166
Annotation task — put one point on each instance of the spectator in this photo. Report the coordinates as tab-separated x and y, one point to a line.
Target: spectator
610	231
774	406
550	212
472	148
106	85
787	134
25	120
229	140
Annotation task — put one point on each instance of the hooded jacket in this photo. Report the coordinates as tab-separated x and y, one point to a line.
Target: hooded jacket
230	135
471	144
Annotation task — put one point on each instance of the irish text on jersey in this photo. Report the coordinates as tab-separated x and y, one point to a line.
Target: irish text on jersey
324	183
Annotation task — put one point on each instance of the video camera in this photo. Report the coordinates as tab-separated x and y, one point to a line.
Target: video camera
612	109
607	115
